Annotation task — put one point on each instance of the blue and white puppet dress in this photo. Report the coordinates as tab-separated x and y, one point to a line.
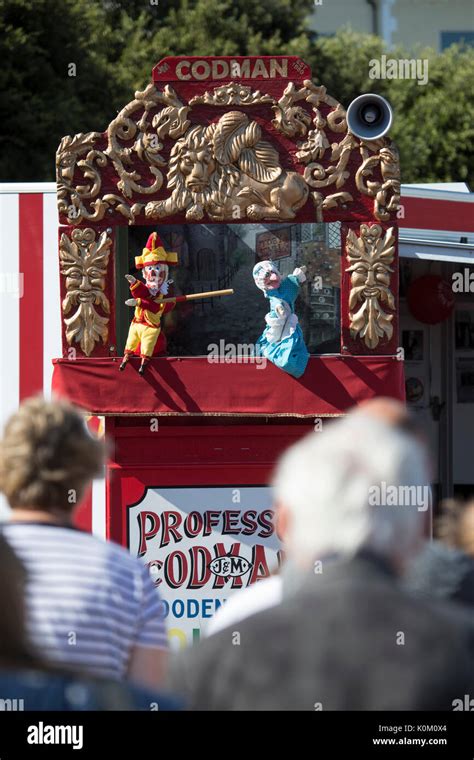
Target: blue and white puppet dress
282	341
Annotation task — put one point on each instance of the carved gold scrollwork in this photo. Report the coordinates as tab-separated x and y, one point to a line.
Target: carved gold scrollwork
387	192
293	121
73	198
231	94
224	168
83	262
146	145
290	119
370	256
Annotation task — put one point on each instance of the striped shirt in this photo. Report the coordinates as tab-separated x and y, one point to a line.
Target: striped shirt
89	602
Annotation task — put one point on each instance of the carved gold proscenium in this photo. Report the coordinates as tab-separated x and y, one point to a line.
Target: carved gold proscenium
370	257
236	172
83	262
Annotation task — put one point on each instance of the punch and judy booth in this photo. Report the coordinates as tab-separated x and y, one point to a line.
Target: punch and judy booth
235	175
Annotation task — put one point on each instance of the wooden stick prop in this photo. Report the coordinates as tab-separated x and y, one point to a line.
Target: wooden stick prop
194	296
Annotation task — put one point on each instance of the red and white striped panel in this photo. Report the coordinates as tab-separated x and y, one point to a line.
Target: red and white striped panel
30	318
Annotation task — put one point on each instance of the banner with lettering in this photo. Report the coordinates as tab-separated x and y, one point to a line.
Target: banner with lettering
225	68
201	544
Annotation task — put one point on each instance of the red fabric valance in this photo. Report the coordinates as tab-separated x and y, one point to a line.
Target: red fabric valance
181	386
330	386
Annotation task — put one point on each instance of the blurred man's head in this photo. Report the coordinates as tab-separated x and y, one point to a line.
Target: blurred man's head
47	457
387	410
331	490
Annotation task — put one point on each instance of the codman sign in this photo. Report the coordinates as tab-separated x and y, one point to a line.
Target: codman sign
200	69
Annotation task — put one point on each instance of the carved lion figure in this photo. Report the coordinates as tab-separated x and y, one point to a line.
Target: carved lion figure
226	171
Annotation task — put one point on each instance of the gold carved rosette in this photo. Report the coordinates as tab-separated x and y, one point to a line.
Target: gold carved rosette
84	258
371	306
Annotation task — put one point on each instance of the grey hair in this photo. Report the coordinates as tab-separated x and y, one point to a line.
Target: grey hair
329	479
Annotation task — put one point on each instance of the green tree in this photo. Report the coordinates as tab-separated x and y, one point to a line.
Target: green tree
433	123
43	96
115	43
217	27
341	63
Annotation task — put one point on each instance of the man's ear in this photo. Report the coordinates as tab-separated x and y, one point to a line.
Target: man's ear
282	521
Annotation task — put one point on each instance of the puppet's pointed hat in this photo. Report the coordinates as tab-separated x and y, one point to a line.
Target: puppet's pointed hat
154	253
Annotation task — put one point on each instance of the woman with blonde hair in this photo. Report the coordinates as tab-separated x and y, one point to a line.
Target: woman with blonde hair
91	605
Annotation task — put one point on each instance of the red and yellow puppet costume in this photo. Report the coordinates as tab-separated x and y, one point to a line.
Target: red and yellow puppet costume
145	331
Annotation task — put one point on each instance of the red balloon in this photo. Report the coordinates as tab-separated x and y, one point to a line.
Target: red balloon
430	299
